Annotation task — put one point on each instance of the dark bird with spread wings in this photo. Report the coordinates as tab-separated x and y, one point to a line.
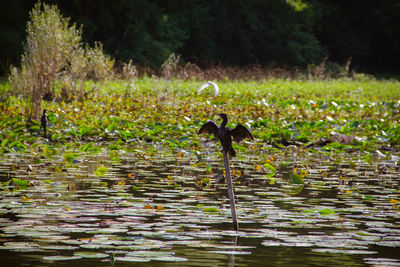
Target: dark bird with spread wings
225	134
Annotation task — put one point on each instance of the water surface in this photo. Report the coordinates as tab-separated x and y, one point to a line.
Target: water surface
318	209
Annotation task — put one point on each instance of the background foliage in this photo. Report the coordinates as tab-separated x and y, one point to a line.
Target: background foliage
286	33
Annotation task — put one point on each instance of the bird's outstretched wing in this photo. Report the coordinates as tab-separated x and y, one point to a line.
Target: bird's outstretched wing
240	133
210	128
216	88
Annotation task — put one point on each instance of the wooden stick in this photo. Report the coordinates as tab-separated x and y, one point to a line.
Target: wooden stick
231	193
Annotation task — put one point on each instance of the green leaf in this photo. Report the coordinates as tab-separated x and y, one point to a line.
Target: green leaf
112	127
5	142
17	145
89	147
308	211
37	160
327	212
101	171
49	151
114	147
69	157
296	179
210	209
271	168
22	184
199	206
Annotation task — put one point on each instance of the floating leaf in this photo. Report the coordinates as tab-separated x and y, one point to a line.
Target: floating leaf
132	259
90	147
210	209
271	181
101	171
49	151
61	258
272	169
231	252
90	254
21	184
296	179
170	259
70	157
327	212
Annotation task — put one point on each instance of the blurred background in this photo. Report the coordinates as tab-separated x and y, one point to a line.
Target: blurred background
275	33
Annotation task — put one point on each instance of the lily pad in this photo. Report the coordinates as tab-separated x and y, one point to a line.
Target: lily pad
232	252
170	259
61	258
327	211
90	255
131	259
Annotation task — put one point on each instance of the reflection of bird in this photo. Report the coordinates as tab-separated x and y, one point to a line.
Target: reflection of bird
43	121
216	88
225	134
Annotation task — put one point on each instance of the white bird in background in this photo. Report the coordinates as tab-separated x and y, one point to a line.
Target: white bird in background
216	88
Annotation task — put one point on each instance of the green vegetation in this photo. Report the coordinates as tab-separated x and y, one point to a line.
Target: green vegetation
169	113
53	51
122	174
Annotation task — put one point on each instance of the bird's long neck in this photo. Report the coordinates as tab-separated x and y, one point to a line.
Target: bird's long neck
224	122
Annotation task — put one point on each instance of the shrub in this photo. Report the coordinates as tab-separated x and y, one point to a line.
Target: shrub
54	50
49	42
99	65
170	67
129	71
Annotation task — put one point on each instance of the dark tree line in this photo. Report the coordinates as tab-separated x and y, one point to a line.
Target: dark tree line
236	32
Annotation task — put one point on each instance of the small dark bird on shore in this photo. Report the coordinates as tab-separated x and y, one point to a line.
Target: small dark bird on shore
225	134
43	121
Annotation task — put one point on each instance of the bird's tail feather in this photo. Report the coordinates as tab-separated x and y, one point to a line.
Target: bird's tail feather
232	152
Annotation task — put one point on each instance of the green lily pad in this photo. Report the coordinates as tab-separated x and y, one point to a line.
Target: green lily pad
327	212
210	209
101	171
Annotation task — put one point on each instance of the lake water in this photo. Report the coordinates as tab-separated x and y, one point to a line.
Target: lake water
318	209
